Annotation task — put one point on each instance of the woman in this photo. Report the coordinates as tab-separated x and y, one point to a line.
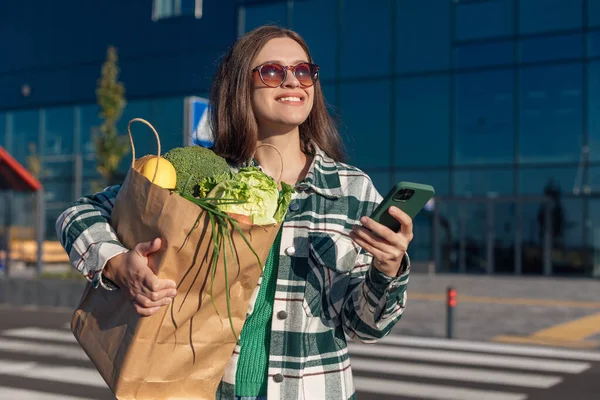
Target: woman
328	276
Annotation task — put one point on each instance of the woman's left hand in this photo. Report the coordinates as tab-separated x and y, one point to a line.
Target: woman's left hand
389	247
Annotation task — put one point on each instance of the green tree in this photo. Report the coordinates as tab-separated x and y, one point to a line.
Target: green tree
110	96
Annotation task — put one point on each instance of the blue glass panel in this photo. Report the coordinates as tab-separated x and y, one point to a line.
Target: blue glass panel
482	55
58	182
566	236
593	235
382	180
52	215
593	12
188	7
594	180
262	14
423	122
330	93
551	48
92	180
60	131
316	20
484	118
167	118
549	15
482	182
593	107
366	38
594	44
89	123
422	36
2	129
484	19
550	126
58	169
366	124
25	135
532	181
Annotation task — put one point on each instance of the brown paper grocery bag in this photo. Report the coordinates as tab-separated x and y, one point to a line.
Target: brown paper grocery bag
182	351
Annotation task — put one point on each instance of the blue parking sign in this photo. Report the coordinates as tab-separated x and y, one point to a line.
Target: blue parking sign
197	130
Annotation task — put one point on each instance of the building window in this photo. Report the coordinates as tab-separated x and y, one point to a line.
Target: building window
550	48
422	40
549	15
367	139
594	44
174	8
366	39
483	182
484	118
422	122
254	16
550	120
593	12
593	106
474	55
482	20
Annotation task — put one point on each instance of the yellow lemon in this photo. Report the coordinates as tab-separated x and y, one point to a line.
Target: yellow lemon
166	176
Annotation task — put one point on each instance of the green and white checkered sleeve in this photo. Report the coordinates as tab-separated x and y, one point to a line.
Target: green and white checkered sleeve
374	302
85	232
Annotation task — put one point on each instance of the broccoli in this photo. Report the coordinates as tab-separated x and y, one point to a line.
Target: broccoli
195	162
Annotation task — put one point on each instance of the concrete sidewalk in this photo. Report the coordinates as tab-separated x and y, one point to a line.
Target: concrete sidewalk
533	310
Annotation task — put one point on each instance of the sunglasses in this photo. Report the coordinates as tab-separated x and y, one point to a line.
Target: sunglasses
273	75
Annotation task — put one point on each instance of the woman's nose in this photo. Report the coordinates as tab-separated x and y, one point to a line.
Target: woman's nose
290	80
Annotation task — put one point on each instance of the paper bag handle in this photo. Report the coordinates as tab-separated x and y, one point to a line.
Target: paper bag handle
280	157
133	146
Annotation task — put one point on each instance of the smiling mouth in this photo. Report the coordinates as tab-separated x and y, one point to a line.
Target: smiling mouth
291	100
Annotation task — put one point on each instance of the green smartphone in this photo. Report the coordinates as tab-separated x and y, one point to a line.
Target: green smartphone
410	197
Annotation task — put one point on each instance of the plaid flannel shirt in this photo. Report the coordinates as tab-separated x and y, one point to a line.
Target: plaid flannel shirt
327	289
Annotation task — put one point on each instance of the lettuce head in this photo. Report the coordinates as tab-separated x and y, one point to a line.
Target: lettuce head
258	192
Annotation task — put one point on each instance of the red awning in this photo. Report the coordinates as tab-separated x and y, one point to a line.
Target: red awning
13	176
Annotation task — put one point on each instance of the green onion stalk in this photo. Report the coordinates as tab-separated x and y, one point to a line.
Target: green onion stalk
220	223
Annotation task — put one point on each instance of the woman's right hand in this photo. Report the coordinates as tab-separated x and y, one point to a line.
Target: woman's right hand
134	275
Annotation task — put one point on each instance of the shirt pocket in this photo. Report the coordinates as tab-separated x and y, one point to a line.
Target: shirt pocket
331	258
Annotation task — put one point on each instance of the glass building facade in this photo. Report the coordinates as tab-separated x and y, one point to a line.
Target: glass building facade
496	103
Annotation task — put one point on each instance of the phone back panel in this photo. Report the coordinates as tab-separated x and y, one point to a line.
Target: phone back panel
412	207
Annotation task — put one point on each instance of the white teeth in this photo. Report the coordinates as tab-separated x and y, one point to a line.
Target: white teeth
289	99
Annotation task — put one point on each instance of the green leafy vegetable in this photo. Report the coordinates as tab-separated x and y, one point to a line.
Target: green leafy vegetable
256	192
195	163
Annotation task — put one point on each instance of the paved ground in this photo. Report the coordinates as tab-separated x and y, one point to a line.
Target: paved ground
39	360
489	307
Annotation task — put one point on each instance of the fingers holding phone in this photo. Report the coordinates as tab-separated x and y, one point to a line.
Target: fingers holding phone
386	246
389	229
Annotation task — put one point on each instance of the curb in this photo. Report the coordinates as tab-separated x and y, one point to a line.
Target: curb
53	293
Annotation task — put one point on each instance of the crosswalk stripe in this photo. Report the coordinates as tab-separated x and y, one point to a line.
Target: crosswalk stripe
492	347
40	333
81	376
42	349
431	392
455	357
22	394
455	374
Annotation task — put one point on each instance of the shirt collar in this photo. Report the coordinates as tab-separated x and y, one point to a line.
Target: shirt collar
323	176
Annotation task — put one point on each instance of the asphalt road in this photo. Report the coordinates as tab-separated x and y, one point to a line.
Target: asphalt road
39	360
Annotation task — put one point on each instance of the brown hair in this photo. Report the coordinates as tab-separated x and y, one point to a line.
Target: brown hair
232	119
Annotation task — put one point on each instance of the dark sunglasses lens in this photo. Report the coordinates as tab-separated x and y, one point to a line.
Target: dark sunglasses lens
272	74
306	74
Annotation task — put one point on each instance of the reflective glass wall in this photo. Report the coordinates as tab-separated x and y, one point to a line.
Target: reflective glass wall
56	145
484	99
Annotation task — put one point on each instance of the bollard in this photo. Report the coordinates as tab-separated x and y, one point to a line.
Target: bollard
450	304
